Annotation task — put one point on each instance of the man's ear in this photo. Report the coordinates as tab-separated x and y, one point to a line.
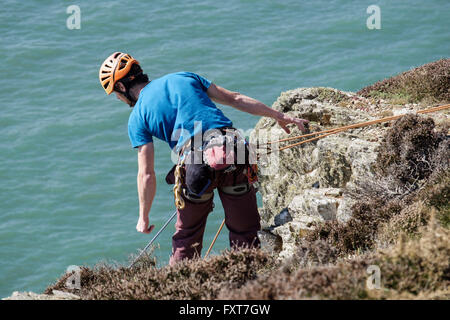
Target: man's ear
119	85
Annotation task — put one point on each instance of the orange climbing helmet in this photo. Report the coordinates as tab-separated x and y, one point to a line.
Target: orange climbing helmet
114	68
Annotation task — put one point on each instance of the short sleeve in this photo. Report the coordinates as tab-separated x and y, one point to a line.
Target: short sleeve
205	83
137	131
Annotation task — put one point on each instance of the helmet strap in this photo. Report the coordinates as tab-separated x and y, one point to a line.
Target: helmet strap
129	97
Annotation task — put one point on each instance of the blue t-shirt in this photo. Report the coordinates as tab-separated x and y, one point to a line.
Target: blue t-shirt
170	106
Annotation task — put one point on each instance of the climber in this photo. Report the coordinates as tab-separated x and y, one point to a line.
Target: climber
177	108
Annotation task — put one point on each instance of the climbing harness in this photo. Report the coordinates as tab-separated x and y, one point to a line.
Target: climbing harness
203	198
252	173
237	190
192	179
185	186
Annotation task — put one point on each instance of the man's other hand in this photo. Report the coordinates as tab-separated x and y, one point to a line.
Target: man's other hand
142	225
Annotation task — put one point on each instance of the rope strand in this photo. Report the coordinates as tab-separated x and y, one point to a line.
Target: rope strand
328	132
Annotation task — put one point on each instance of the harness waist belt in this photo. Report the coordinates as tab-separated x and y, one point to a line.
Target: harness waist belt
236	190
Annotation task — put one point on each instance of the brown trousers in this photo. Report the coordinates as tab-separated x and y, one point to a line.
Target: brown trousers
241	218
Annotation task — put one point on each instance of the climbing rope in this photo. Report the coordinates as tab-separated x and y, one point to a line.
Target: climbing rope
325	133
215	238
179	201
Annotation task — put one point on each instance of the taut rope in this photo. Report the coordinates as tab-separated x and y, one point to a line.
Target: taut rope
328	132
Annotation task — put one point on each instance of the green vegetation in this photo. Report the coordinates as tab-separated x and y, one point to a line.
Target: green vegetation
331	95
426	84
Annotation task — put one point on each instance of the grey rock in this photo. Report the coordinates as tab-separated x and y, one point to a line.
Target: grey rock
269	241
282	218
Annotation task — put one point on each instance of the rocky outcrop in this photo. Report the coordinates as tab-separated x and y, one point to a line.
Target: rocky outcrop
312	182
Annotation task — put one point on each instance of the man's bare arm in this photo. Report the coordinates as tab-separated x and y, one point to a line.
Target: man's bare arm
146	182
252	106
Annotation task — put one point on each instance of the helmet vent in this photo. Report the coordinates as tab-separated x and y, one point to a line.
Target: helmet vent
123	64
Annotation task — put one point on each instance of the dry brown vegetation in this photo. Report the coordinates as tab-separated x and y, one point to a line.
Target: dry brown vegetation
197	279
429	83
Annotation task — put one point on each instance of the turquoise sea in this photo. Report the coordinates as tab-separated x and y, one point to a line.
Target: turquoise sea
67	171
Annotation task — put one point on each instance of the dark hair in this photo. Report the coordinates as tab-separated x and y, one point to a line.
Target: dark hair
133	77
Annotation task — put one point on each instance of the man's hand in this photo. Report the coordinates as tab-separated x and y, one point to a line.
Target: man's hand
284	120
142	225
